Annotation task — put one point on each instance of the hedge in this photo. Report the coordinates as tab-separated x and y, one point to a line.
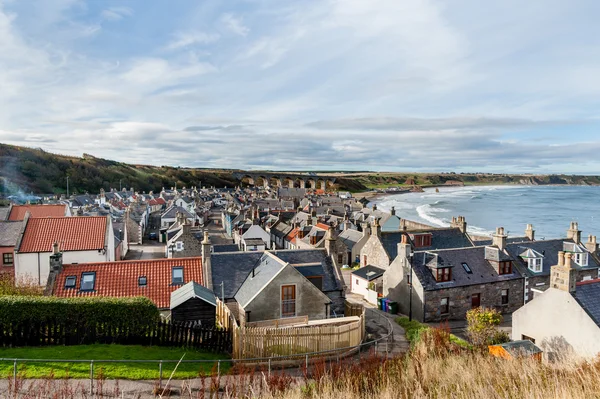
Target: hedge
134	313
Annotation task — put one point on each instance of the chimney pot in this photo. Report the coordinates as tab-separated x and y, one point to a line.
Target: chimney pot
561	258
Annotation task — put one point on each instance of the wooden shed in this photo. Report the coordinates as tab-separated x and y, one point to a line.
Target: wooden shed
193	303
515	349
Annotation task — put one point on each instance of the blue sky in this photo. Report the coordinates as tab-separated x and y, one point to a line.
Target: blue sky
391	85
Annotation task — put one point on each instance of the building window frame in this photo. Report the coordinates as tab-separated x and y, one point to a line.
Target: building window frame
70	282
505	267
443	274
445	306
175	278
504	296
288	300
142	281
8	259
84	285
536	265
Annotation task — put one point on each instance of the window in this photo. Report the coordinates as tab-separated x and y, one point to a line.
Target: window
70	281
445	306
288	300
177	275
179	246
467	268
535	264
7	259
364	260
422	240
340	259
581	259
443	274
505	267
527	338
142	281
88	281
475	300
505	297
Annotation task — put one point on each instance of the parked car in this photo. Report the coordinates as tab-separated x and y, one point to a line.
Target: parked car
153	236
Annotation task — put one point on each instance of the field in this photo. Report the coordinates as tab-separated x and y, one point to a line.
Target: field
132	371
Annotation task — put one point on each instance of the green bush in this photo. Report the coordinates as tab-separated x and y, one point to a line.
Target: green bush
413	330
136	313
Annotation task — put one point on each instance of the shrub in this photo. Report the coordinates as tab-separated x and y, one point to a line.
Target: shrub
136	313
9	286
482	326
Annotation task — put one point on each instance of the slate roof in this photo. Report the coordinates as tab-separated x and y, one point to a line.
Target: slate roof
281	230
482	271
444	238
520	348
549	249
82	200
17	212
4	212
171	213
189	291
587	295
253	241
265	270
302	257
368	273
120	279
9	233
232	268
350	237
72	233
509	240
225	248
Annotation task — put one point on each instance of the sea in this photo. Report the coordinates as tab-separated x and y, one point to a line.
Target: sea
549	208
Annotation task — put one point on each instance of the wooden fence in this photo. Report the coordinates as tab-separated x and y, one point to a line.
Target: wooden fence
161	334
288	321
224	317
330	334
353	309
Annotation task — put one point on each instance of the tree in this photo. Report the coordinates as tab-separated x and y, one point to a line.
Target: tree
483	327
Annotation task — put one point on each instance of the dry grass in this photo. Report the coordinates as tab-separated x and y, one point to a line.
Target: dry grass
434	368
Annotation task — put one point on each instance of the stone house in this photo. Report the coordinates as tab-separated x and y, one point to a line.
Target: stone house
184	244
564	320
447	283
350	242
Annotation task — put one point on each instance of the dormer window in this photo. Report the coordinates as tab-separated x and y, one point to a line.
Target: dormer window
505	267
581	259
422	240
443	274
535	264
313	240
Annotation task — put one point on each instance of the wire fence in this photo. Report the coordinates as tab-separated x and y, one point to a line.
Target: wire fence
301	359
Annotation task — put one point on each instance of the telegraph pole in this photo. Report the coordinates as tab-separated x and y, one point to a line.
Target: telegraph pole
67	187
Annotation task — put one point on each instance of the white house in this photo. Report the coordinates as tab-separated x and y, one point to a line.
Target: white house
82	239
564	320
187	203
168	217
254	232
367	281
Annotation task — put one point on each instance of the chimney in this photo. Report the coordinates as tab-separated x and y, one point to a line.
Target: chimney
530	232
365	228
309	220
206	264
393	211
376	229
573	233
330	241
460	223
499	238
403	225
563	276
374	207
56	267
404	248
591	244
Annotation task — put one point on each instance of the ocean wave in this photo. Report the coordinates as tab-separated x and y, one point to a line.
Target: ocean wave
425	213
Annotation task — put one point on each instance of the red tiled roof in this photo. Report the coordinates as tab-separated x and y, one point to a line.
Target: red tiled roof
120	279
161	200
291	237
17	212
322	226
72	233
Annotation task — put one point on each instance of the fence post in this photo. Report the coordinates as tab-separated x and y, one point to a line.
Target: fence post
269	368
160	375
92	378
306	362
219	368
15	374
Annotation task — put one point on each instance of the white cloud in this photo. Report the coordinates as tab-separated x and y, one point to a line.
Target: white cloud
187	39
116	13
234	24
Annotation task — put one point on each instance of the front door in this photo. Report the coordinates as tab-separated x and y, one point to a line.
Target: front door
475	300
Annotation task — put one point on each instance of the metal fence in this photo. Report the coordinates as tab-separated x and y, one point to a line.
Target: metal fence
302	359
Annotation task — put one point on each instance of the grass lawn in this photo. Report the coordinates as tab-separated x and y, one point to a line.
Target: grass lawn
414	328
132	371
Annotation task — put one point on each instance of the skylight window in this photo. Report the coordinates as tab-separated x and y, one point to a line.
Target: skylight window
142	281
177	275
71	281
88	281
467	268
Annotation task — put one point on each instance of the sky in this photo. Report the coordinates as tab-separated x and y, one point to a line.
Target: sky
382	85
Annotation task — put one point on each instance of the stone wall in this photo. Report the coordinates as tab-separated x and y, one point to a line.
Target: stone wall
191	245
376	255
460	299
